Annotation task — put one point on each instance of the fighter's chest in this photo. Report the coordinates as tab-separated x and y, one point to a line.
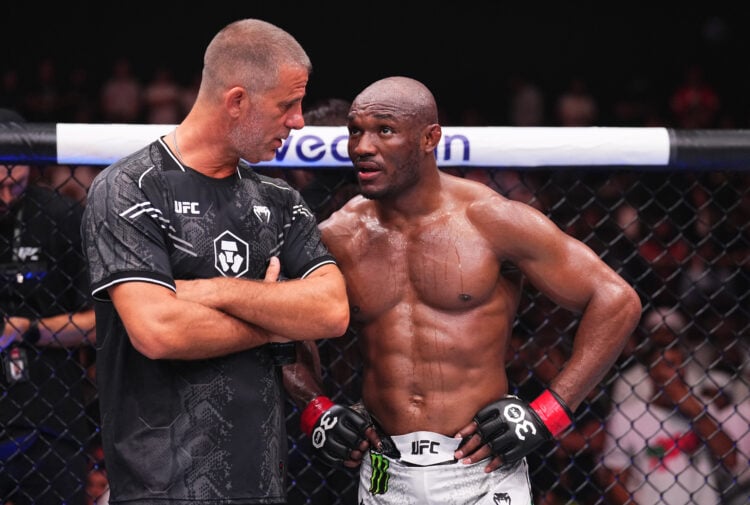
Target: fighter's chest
442	266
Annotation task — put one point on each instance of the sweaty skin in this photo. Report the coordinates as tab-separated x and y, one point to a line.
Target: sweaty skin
424	256
432	309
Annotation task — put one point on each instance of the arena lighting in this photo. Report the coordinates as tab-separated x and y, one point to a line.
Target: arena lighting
487	146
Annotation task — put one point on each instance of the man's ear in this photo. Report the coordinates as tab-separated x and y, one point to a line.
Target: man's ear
235	99
432	135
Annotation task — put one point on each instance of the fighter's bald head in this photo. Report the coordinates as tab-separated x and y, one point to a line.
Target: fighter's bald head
399	97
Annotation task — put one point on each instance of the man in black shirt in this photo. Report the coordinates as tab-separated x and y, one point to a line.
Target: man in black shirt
46	313
185	245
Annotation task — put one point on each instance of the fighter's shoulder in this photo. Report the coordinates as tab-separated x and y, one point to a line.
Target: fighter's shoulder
349	215
483	206
477	198
465	189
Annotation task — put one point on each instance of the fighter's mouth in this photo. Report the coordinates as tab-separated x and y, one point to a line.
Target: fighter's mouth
365	166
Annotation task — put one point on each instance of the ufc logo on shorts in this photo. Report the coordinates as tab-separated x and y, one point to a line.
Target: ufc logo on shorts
419	446
327	421
515	414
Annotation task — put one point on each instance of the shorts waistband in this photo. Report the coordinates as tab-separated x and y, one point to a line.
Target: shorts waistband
426	448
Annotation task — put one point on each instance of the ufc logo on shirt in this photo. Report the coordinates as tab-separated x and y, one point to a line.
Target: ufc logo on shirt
186	208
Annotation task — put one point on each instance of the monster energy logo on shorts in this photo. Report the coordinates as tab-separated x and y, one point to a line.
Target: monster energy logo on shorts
379	478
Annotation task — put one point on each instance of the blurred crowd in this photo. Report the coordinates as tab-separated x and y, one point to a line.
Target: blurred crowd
125	93
680	238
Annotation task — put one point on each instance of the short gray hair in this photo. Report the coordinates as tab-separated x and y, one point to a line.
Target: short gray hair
249	53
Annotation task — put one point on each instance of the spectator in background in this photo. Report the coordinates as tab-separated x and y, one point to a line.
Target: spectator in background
76	103
637	105
728	402
46	313
718	342
43	98
695	102
659	324
12	93
576	106
662	446
121	95
527	104
710	280
162	98
626	217
665	250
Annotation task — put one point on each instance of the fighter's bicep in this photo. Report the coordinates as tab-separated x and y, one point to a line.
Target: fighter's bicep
565	270
554	262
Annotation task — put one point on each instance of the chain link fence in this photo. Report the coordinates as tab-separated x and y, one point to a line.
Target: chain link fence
681	238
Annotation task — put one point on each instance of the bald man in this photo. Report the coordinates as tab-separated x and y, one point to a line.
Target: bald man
434	266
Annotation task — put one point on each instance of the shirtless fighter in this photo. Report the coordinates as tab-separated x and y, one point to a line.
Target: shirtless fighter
422	253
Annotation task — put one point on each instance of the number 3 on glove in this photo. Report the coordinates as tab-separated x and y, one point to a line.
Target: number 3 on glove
335	430
326	422
513	428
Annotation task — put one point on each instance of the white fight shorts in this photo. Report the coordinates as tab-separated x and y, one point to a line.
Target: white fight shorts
426	474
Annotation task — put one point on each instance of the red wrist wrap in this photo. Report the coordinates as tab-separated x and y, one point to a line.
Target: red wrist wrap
313	411
555	415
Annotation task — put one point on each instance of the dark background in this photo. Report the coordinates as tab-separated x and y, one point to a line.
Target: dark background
464	51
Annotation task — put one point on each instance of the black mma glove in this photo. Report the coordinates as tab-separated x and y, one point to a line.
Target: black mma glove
335	430
513	428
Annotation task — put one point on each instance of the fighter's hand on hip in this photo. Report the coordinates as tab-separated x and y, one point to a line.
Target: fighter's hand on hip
509	429
339	435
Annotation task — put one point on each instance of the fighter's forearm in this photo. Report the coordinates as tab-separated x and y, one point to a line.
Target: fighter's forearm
606	324
303	378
